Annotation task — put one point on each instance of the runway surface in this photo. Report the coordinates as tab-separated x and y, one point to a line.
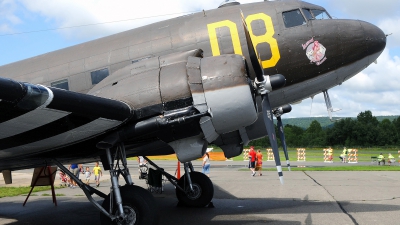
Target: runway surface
305	198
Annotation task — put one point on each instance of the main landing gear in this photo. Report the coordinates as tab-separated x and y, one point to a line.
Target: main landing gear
194	189
133	205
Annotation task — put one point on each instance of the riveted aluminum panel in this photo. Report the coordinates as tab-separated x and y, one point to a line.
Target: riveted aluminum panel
123	78
76	66
97	61
174	83
173	75
179	57
119	55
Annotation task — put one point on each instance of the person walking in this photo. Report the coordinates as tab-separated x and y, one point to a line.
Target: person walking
381	159
330	154
73	168
97	174
252	161
343	155
259	158
206	164
87	175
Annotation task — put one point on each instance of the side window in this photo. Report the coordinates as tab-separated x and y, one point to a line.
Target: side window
99	75
293	18
320	14
62	84
308	14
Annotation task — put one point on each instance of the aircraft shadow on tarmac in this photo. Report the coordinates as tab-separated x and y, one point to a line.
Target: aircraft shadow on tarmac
228	210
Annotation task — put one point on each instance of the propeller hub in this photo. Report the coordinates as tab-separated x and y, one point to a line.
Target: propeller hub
269	83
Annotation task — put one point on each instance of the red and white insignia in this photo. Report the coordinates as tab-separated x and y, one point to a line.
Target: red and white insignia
315	51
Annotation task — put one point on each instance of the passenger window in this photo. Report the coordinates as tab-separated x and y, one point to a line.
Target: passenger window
293	18
308	14
99	75
320	14
62	84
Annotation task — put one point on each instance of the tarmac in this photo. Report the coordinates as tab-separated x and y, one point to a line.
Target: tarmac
310	197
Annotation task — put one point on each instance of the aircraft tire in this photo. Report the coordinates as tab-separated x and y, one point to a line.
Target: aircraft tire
203	187
135	200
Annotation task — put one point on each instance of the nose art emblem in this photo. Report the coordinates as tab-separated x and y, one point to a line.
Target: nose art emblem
315	51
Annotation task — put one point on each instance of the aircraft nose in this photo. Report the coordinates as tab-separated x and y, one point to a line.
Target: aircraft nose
375	39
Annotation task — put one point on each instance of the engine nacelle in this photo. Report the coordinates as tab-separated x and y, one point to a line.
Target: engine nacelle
218	85
227	92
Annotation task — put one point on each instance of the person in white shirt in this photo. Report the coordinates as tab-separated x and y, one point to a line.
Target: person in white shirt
206	164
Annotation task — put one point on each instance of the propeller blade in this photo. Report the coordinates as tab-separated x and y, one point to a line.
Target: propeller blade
283	140
269	124
261	86
255	61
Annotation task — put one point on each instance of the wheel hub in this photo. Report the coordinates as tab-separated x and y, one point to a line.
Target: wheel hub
130	216
196	193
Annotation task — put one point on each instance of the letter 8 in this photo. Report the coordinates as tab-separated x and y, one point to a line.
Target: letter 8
267	37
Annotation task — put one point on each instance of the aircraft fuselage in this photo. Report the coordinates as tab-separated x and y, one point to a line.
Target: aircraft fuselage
314	54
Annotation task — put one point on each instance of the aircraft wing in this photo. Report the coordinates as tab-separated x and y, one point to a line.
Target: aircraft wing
36	119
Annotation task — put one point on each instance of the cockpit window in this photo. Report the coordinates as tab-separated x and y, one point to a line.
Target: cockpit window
293	18
320	14
307	14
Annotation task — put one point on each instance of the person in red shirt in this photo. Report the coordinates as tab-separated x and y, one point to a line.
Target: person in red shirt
252	160
259	158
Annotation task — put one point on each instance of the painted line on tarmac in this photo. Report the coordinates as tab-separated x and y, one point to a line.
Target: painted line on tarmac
337	202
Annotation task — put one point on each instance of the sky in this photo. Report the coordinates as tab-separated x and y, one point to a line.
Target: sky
29	28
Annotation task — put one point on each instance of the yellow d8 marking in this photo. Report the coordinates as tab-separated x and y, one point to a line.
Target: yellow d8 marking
212	32
265	38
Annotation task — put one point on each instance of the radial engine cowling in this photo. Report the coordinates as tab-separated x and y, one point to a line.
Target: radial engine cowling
225	90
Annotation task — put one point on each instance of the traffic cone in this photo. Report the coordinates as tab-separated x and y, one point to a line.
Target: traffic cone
178	173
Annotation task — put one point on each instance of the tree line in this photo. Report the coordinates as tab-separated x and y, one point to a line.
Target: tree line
364	131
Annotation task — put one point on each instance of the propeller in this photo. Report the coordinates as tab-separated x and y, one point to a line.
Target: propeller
278	112
264	85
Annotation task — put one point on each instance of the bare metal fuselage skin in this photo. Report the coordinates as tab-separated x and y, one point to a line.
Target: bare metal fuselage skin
313	57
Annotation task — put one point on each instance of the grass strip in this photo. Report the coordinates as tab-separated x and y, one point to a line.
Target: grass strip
16	191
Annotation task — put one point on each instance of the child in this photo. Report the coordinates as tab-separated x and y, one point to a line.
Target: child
87	175
97	173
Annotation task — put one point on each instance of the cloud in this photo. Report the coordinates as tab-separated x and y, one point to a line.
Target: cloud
391	26
368	10
7	16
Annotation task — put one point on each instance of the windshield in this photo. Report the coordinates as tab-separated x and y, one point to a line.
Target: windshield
317	14
307	14
320	14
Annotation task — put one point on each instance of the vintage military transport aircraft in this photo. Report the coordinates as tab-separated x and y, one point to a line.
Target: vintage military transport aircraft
214	77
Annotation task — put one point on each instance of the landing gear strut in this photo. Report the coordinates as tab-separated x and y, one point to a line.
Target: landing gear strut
129	204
